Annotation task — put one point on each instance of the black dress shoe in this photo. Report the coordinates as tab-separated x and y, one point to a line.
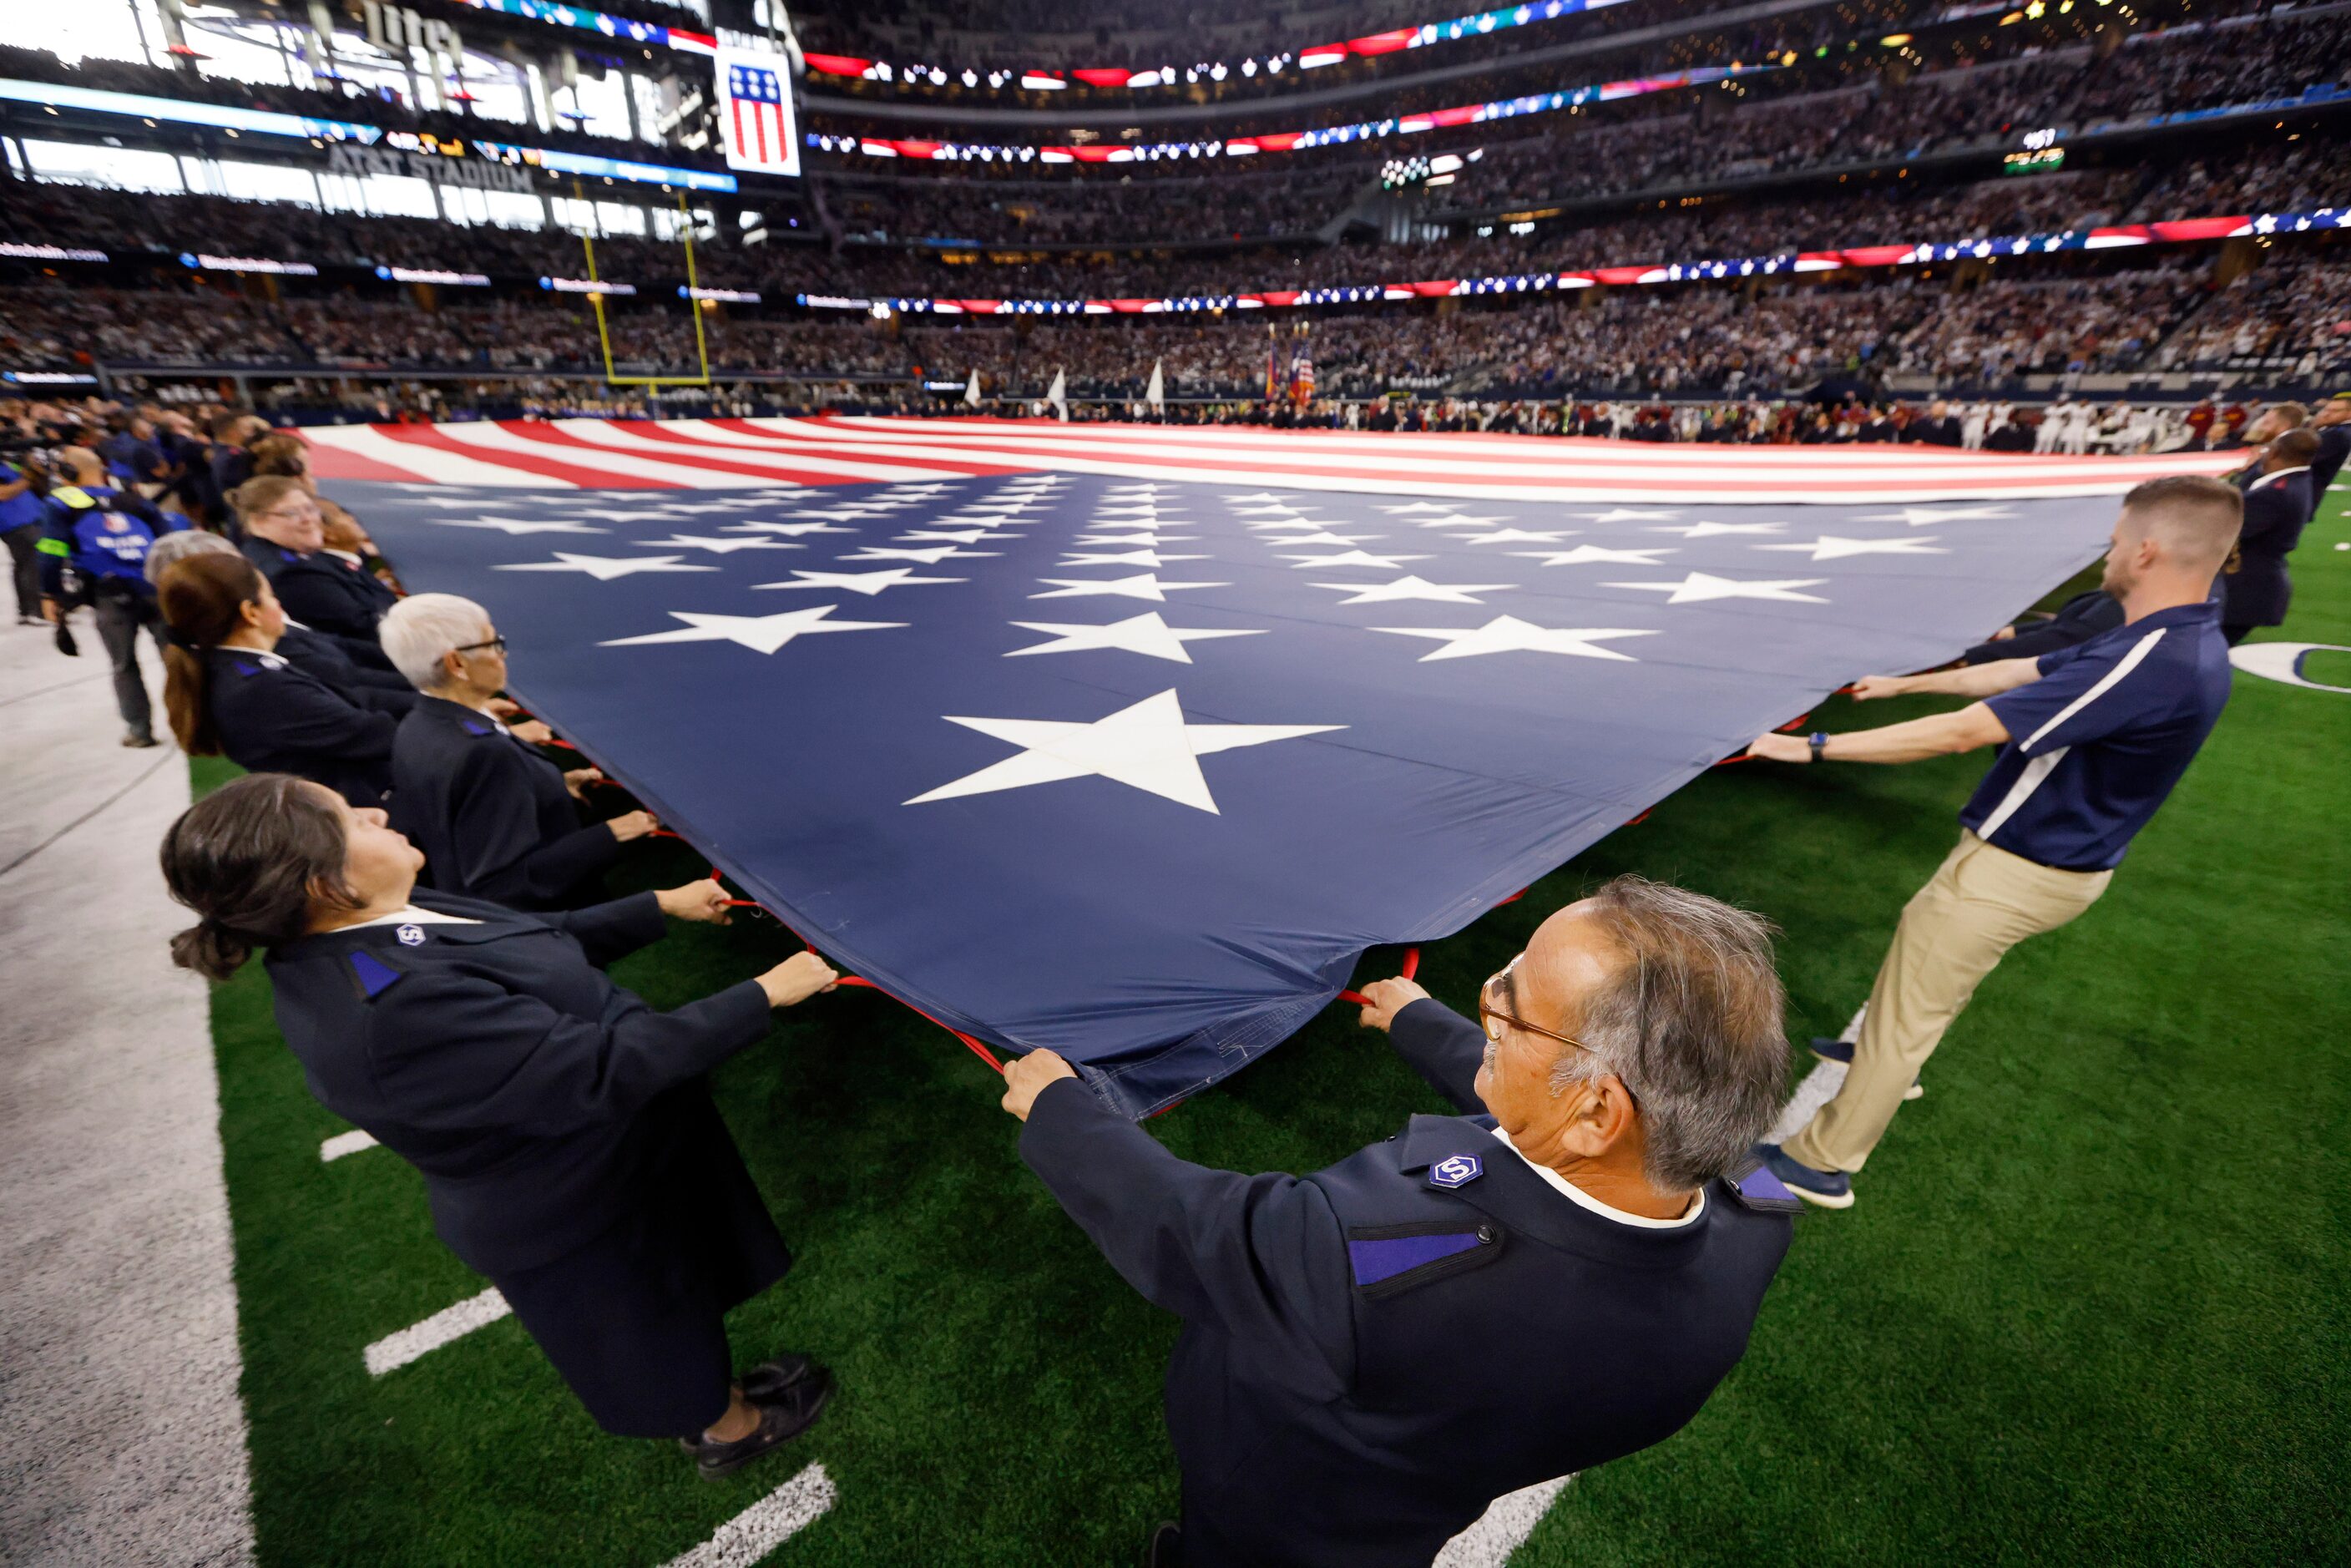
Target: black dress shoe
782	1419
1166	1547
770	1378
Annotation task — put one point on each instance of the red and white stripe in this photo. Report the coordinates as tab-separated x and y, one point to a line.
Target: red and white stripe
694	455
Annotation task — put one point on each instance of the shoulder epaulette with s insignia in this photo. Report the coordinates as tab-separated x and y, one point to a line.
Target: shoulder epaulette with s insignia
374	976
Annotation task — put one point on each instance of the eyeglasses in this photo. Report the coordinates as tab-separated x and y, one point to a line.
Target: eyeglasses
1491	1019
497	643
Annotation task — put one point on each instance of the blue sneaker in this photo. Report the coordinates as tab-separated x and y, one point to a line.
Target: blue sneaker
1830	1189
1841	1052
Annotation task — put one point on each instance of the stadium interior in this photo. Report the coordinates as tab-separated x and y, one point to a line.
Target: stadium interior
2093	1308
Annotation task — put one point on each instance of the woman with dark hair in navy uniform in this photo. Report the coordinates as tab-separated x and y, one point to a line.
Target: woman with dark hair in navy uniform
230	694
494	819
564	1129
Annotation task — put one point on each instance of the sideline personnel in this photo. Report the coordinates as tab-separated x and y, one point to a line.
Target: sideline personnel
565	1132
2092	739
1554	1278
93	551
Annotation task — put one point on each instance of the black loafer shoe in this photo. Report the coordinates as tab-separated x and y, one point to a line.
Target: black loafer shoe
770	1378
780	1420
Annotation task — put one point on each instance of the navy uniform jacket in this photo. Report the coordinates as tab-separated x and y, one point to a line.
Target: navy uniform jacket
323	592
537	1098
2277	508
316	654
274	718
2333	445
2077	621
1373	1354
491	815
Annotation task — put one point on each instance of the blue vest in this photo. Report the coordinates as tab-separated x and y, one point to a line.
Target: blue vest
106	543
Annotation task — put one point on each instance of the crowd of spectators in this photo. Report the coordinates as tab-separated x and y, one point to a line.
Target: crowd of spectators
1680	340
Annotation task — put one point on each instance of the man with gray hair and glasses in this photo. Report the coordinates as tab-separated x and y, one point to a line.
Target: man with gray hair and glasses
1555	1277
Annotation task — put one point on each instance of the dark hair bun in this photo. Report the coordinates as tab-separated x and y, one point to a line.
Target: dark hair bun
213	951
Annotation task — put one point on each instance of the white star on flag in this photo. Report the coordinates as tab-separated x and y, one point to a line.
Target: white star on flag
1416	507
1633	514
1518	536
605	568
1258	495
761	633
1459	520
1319	537
1508	634
1584	554
648	513
1833	547
1920	516
868	583
743	498
1415	588
1143	585
957	536
1127	557
927	557
1709	530
794	529
1352	557
716	545
1145	633
1146	747
517	526
1699	585
1145	539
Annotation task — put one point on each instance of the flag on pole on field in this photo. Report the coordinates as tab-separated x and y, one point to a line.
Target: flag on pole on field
755	112
1156	394
1272	366
1058	395
971	391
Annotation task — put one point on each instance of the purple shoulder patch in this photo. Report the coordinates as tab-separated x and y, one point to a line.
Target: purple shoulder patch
1386	1258
376	977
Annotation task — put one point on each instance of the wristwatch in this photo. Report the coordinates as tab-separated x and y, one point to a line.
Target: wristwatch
1819	742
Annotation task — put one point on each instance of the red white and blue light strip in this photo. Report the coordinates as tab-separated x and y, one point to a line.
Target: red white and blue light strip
2177	232
619	29
1281	141
1113	79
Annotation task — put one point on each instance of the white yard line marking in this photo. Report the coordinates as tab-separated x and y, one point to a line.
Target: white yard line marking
1819	1087
1502	1528
396	1350
766	1525
343	1144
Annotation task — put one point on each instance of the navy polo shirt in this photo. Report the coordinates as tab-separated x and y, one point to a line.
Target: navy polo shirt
2098	742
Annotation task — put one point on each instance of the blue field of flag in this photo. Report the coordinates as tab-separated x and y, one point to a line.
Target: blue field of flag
1135	769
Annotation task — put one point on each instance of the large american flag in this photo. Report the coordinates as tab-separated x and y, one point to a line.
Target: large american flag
1127	740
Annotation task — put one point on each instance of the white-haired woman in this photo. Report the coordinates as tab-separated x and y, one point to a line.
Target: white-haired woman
494	819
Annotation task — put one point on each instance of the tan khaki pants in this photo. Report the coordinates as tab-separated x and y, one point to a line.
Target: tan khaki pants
1980	902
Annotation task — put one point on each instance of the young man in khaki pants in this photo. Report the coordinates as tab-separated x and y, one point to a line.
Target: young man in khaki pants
2092	739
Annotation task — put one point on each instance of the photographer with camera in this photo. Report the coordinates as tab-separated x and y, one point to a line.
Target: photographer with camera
20	529
93	551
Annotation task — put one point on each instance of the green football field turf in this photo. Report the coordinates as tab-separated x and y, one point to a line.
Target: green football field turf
2091	1305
